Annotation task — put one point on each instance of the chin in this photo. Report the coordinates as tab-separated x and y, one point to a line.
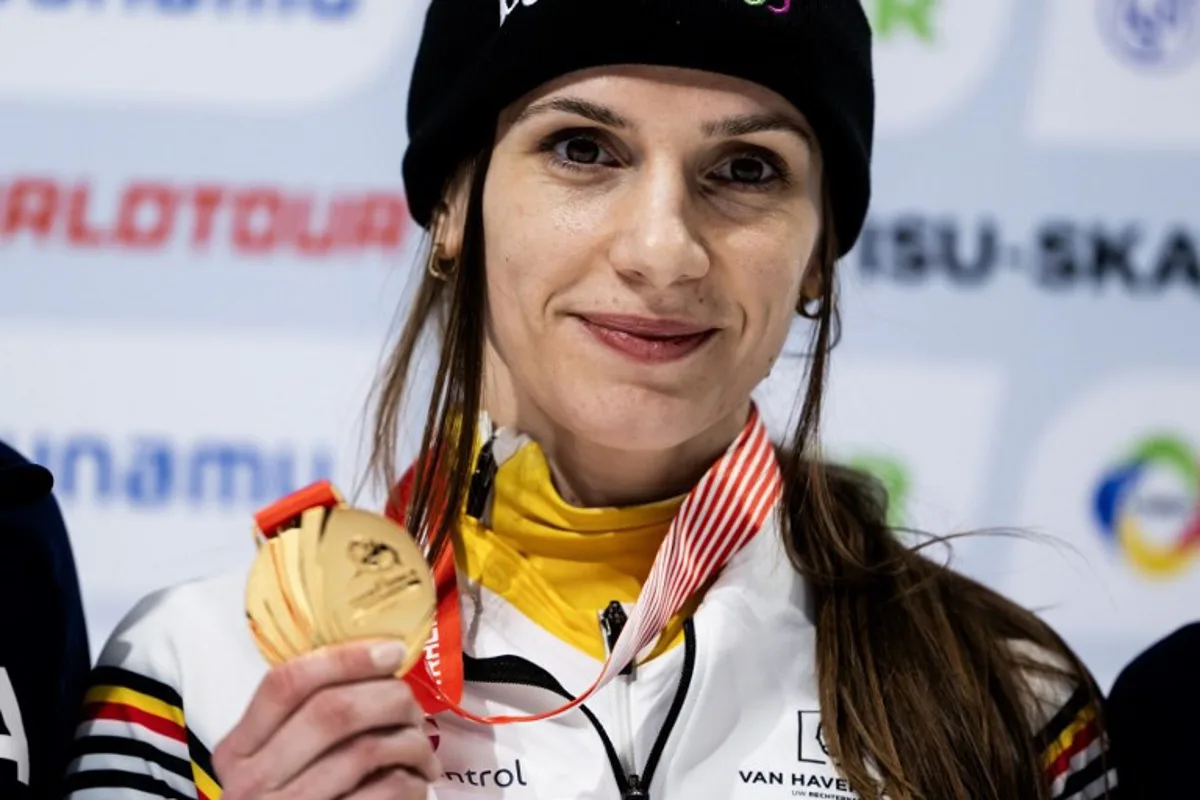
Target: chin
632	418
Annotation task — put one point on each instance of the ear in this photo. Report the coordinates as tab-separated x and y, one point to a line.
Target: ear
450	218
812	284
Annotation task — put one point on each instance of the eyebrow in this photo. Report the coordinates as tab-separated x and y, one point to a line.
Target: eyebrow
739	125
601	115
746	124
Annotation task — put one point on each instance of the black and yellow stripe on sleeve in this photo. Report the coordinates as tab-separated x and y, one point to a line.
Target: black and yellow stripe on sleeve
144	706
1075	751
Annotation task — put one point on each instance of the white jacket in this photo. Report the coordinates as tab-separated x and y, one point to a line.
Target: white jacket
732	715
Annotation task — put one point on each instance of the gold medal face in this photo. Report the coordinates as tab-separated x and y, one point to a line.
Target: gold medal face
283	607
293	586
312	522
259	588
342	575
375	582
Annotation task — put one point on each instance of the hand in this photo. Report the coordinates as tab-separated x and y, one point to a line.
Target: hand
333	724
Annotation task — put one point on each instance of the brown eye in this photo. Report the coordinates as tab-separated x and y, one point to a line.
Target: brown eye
580	150
746	170
753	169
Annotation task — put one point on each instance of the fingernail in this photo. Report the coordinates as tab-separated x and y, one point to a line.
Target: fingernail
388	655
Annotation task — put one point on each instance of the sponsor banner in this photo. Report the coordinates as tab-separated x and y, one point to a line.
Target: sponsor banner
254	55
151	216
1114	483
1058	254
163	445
893	419
931	56
1118	74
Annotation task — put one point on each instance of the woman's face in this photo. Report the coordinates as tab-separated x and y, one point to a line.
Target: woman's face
647	233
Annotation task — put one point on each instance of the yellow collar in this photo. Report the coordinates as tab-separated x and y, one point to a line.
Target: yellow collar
559	564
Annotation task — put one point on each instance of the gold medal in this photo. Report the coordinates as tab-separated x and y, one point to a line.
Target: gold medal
291	544
374	581
338	575
312	526
259	587
283	607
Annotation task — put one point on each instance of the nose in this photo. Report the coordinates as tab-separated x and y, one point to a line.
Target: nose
657	241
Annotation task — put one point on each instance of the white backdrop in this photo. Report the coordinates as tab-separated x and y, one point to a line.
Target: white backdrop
203	244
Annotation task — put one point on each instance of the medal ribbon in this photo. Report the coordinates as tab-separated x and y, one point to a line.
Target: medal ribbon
722	513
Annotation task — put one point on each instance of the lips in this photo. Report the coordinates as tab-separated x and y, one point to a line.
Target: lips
647	339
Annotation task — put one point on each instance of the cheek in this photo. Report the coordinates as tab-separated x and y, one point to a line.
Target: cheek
512	281
776	312
769	285
770	290
515	303
532	264
504	318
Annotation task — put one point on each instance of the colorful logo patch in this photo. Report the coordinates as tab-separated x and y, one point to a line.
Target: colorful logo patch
1148	506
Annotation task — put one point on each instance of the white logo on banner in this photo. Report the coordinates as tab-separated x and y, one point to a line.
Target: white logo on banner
1119	73
163	445
932	55
925	429
1116	481
261	54
13	745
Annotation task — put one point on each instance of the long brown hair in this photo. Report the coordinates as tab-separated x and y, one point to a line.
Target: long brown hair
922	694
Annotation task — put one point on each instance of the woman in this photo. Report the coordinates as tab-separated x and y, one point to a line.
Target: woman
629	202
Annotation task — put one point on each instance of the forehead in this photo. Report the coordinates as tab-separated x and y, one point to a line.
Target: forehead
643	94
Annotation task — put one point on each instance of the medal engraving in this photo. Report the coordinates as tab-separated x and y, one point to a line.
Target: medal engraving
342	574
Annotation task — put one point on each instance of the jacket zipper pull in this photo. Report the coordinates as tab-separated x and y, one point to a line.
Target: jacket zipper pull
613	620
635	790
480	489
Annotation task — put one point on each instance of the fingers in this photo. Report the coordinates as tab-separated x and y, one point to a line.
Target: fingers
396	784
396	761
289	685
337	714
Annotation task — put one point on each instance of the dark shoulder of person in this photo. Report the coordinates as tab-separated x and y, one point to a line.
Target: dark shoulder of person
1153	710
44	655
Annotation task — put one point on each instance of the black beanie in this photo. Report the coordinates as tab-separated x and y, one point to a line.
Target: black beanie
478	56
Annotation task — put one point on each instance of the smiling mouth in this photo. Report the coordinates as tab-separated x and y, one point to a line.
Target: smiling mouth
645	339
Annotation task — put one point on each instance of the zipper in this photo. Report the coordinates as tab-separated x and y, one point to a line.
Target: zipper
479	491
612	622
517	671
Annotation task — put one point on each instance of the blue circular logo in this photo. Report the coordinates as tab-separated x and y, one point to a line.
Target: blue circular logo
1152	33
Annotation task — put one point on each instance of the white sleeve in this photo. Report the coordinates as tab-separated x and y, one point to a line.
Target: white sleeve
1069	734
133	740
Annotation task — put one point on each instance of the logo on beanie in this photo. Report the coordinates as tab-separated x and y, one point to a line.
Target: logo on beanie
509	6
775	6
781	6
